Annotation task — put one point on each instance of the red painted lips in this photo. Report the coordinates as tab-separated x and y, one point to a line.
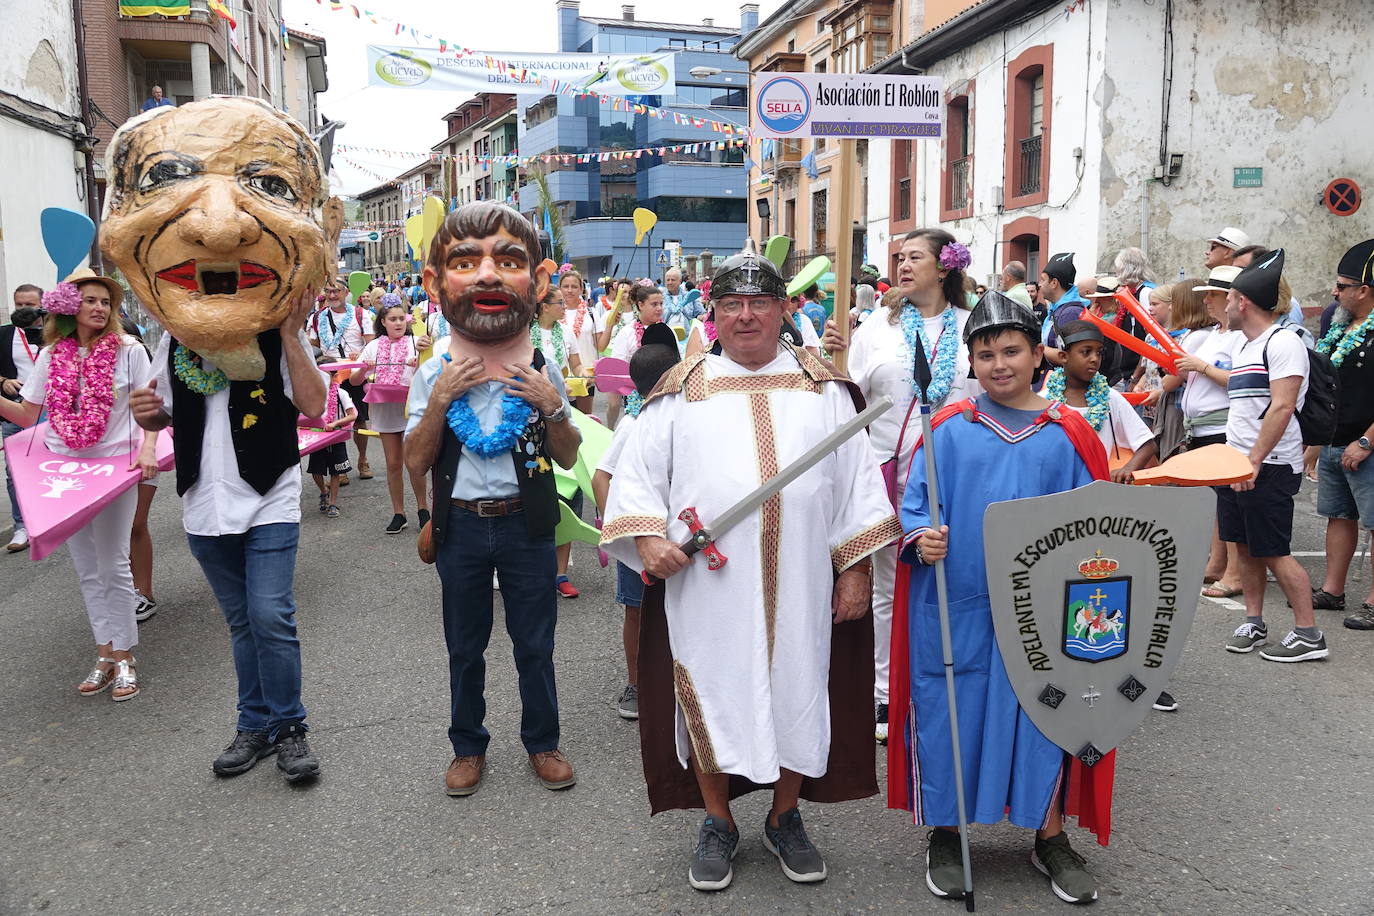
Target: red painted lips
210	281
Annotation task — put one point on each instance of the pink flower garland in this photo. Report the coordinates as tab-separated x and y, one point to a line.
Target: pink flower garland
390	363
639	332
80	393
331	407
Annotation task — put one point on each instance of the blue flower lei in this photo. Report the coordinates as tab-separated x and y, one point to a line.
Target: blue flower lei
942	371
1098	396
515	416
634	403
326	342
1344	338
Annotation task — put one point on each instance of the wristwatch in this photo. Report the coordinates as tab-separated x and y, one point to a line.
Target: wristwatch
558	416
1364	443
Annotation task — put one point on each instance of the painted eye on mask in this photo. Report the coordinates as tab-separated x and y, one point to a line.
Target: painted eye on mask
166	172
273	186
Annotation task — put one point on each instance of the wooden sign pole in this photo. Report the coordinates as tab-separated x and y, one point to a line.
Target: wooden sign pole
842	221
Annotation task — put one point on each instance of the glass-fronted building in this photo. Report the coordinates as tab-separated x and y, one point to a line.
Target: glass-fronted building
700	196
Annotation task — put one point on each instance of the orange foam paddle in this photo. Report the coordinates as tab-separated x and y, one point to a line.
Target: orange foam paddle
1131	342
1210	466
1135	398
1118	456
1142	314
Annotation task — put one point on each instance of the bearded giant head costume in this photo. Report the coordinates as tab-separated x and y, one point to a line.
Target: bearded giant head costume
217	218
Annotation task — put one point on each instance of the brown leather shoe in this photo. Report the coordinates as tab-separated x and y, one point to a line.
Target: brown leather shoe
553	769
464	775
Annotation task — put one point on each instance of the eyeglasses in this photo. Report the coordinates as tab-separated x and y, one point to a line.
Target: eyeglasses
1342	287
731	308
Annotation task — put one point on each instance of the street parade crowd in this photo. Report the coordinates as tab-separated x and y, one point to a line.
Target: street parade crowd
768	671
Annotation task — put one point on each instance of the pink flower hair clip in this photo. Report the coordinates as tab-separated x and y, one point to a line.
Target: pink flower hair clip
955	256
63	299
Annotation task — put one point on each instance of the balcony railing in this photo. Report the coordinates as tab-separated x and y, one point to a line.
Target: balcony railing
1030	166
959	190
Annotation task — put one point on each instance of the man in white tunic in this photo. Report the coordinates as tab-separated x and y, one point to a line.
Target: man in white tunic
756	688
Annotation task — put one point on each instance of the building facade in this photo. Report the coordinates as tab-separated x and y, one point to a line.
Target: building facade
388	257
42	135
1114	123
304	76
482	127
700	197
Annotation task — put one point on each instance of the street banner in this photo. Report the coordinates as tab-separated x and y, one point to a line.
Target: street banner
1093	593
848	105
58	494
394	67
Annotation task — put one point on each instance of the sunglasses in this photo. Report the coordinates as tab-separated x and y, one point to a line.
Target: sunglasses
1342	287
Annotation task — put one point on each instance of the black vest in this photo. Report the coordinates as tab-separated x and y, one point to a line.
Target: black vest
538	489
7	367
262	422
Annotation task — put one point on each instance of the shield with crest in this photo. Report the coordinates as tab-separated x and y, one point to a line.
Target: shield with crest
1093	593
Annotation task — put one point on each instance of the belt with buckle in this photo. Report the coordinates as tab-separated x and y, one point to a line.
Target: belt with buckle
490	508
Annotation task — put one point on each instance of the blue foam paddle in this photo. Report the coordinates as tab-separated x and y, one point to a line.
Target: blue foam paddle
67	235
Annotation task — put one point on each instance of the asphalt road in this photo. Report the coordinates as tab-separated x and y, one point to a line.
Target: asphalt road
1252	799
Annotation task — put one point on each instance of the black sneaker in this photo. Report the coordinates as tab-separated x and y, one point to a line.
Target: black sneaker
145	608
945	865
423	516
397	525
629	702
1165	702
880	724
243	752
294	757
1069	879
800	859
1363	620
716	847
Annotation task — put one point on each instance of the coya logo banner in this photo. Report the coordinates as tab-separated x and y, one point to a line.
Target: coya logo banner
521	73
1093	593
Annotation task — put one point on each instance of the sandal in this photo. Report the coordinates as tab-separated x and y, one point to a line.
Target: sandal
99	679
1217	590
125	680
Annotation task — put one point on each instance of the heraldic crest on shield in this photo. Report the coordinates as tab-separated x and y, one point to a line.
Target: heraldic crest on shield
1097	611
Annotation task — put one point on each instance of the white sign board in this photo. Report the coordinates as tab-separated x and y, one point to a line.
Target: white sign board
451	70
849	105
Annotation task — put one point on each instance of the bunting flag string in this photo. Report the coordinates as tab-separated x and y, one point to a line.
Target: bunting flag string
555	86
569	158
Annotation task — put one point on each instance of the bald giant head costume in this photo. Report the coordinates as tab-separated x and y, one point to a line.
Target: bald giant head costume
217	217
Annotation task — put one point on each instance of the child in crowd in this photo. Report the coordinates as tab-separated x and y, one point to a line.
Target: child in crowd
646	368
1128	441
1006	444
646	301
332	460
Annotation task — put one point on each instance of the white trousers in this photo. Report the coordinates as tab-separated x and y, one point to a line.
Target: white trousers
884	578
100	553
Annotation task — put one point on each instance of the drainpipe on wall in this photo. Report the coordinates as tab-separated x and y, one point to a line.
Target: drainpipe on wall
1145	219
92	191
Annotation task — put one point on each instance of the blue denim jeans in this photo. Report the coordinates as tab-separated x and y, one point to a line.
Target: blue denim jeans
251	576
472	548
8	429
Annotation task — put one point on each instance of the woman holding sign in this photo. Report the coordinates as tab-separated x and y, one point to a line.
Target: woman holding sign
83	377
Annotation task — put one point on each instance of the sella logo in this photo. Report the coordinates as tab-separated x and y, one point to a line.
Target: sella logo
402	68
783	105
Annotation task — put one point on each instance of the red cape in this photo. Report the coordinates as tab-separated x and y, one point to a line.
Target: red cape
1089	793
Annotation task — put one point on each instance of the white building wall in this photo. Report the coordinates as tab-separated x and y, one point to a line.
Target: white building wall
879	202
40	168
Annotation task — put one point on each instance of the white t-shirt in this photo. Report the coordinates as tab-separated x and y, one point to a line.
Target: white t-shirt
1250	397
546	344
625	342
611	457
122	434
879	365
352	339
1200	394
808	331
25	355
1123	428
585	336
369	355
220	501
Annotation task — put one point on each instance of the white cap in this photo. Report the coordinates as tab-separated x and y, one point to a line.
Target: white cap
1232	238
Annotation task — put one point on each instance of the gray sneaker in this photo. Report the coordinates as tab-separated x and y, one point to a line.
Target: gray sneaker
716	847
629	702
1247	638
945	865
1296	648
1069	879
800	859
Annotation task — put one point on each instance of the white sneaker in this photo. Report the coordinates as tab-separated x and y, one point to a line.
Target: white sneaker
146	607
19	541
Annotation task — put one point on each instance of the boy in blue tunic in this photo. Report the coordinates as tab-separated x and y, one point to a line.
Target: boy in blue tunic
1009	443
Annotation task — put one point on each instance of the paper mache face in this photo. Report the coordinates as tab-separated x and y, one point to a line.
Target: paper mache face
217	218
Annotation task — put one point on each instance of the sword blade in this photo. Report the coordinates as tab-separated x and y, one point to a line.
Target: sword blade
747	506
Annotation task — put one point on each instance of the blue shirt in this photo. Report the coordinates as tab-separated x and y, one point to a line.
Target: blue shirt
1071	297
476	477
150	103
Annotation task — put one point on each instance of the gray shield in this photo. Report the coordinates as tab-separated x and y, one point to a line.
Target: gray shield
1093	593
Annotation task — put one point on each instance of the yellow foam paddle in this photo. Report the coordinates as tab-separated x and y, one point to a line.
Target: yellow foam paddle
415	234
571	528
577	386
433	212
644	220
